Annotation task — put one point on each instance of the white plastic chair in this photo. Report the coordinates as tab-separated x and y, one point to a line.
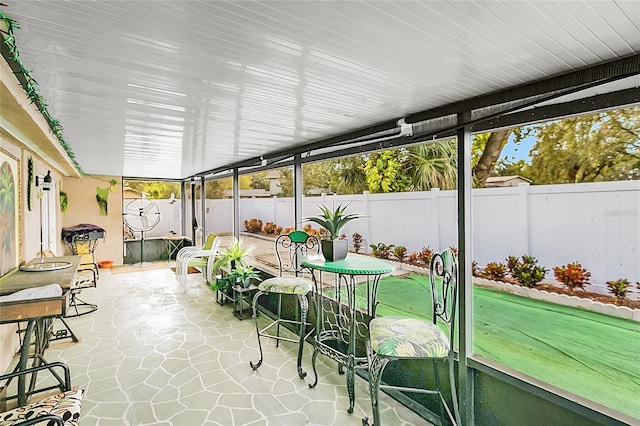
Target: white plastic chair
196	257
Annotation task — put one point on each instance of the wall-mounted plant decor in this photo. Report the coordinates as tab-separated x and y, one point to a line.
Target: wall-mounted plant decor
64	201
30	183
101	197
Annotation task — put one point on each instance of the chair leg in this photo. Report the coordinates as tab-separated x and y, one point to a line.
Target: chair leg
376	367
279	314
258	332
454	394
76	303
304	308
315	372
444	407
436	374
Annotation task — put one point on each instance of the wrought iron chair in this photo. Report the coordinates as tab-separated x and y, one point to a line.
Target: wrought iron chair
290	248
62	408
394	338
86	277
195	257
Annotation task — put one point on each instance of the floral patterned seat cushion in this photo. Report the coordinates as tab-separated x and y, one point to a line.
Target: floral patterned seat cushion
286	285
65	405
407	338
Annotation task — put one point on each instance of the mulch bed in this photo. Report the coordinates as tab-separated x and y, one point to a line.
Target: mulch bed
603	298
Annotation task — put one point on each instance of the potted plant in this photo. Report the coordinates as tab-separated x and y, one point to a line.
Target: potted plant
232	256
334	245
230	260
243	275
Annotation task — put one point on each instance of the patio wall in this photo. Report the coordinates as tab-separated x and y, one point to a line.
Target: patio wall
595	224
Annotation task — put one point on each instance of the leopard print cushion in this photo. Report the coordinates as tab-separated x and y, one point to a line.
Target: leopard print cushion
65	405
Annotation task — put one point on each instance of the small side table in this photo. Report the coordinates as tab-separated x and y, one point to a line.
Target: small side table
225	295
173	244
243	296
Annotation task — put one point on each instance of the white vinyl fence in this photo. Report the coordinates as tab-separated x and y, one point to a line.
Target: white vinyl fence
594	224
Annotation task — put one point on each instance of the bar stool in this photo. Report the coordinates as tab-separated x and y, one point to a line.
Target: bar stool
290	248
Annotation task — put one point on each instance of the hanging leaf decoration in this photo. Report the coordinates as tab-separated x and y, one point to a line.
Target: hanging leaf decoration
101	197
64	201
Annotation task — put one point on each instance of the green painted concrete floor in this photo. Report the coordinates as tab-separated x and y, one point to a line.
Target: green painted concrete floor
592	355
154	355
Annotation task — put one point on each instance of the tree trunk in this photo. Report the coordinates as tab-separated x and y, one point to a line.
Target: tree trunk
497	140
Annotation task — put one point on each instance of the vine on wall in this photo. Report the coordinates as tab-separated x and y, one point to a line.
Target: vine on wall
29	84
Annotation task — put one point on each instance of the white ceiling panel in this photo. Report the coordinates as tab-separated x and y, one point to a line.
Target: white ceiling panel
169	89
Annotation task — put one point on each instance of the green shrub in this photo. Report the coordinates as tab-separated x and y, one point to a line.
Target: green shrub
309	229
572	275
269	228
400	252
495	271
526	272
619	288
381	250
425	255
288	230
253	225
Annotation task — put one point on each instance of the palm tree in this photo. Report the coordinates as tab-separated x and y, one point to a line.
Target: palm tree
350	174
433	165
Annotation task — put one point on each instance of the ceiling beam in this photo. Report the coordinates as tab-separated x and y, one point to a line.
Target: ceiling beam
598	74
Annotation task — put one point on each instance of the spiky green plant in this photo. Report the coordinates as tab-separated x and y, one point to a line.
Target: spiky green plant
334	220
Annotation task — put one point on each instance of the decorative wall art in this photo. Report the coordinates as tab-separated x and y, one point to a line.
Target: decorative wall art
29	183
101	196
9	229
64	201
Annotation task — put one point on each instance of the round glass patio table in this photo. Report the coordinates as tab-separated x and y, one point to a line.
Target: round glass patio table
345	303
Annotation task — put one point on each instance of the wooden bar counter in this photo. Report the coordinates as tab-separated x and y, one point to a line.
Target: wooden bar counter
37	312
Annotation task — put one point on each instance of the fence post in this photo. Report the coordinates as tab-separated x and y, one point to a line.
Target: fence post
435	215
367	211
523	216
275	209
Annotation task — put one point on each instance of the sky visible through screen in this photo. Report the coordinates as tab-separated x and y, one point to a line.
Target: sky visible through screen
516	152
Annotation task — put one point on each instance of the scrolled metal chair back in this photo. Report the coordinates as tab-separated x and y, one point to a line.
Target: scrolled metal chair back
292	247
444	286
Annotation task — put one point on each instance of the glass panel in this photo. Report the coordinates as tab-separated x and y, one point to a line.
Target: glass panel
556	227
219	206
162	198
266	202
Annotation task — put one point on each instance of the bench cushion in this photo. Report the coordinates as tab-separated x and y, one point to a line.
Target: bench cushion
65	405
